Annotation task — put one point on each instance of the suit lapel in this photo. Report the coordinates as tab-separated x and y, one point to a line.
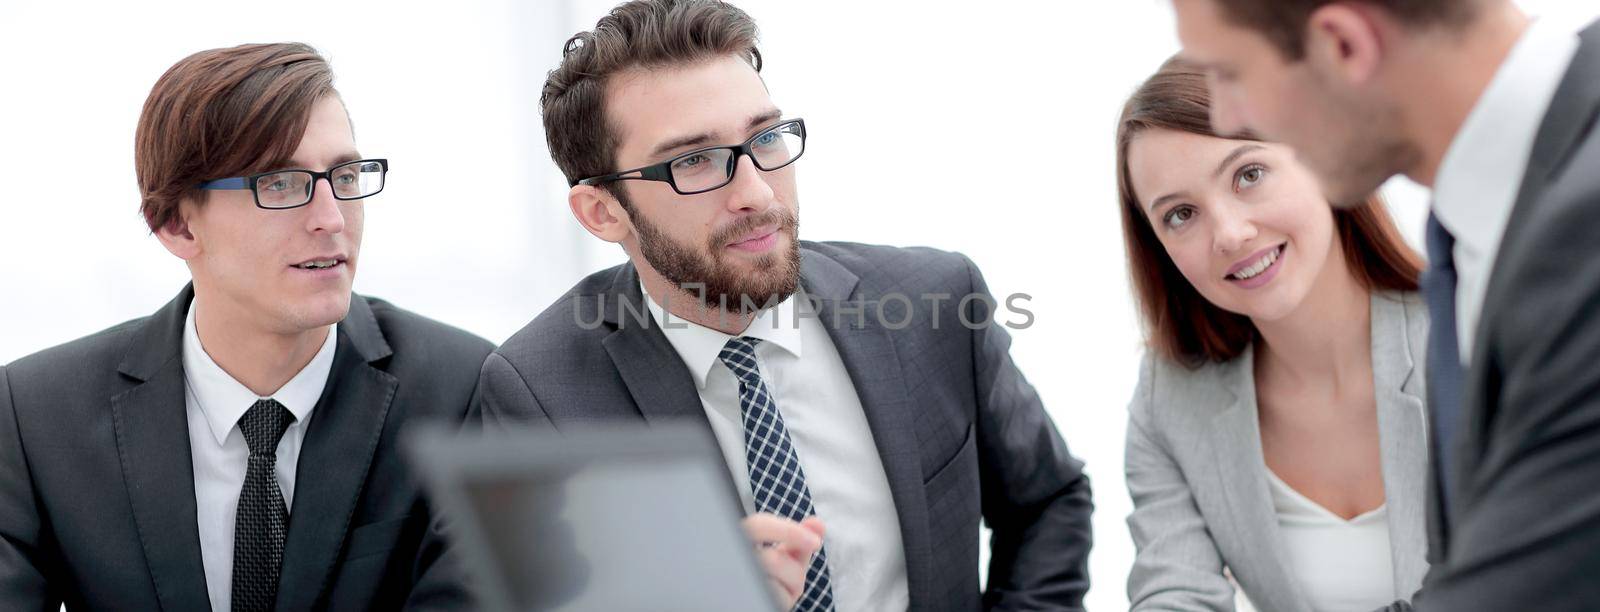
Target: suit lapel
152	432
1570	120
1240	470
1401	427
662	388
664	391
874	365
344	432
661	385
1570	117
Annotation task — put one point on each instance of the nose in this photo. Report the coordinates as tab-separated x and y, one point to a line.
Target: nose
749	191
322	213
1234	229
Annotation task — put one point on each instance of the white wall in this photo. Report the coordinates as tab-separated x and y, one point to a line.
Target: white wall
979	127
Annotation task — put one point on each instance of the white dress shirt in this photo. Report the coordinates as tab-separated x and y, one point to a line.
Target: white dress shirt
818	401
1480	174
214	402
1342	566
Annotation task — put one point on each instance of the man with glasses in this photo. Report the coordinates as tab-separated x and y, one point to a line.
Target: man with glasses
849	385
236	450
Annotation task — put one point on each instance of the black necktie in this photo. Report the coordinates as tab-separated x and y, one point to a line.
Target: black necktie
1444	351
263	520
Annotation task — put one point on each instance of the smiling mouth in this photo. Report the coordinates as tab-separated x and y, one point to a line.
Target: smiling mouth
1255	269
319	264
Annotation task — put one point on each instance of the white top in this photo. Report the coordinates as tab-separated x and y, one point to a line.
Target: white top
214	402
830	434
1341	565
1482	171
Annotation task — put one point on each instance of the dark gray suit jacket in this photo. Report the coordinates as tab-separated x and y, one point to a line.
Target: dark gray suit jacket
962	435
97	500
1523	527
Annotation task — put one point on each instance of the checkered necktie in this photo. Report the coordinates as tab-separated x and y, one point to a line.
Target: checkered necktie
263	521
776	480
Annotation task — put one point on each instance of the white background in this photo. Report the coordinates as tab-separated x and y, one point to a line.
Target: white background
984	128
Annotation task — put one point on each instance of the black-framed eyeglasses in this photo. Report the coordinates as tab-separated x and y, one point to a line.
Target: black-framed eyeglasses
293	188
710	168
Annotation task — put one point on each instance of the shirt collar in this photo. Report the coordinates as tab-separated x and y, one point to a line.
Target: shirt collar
224	400
701	347
1482	171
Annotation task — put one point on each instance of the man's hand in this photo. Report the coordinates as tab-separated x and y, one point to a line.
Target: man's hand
785	548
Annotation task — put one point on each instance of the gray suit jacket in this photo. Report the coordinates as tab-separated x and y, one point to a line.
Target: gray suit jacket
961	433
1199	482
1523	528
97	501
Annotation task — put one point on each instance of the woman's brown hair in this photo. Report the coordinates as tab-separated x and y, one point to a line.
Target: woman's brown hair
1181	324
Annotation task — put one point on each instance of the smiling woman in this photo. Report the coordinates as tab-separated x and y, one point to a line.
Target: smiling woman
1282	336
1173	107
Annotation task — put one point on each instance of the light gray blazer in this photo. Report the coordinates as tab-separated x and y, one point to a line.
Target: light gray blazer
1199	483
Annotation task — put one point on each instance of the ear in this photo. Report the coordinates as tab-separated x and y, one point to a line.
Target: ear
600	213
1345	42
176	234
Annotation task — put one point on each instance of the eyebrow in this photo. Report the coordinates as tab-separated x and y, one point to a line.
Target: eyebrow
1233	156
1165	200
756	121
762	119
287	163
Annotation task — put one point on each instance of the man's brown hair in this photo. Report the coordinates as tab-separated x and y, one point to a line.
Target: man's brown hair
1283	22
223	113
1181	324
640	34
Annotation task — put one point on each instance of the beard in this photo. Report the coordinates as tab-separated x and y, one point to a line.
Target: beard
1361	146
706	270
1364	163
